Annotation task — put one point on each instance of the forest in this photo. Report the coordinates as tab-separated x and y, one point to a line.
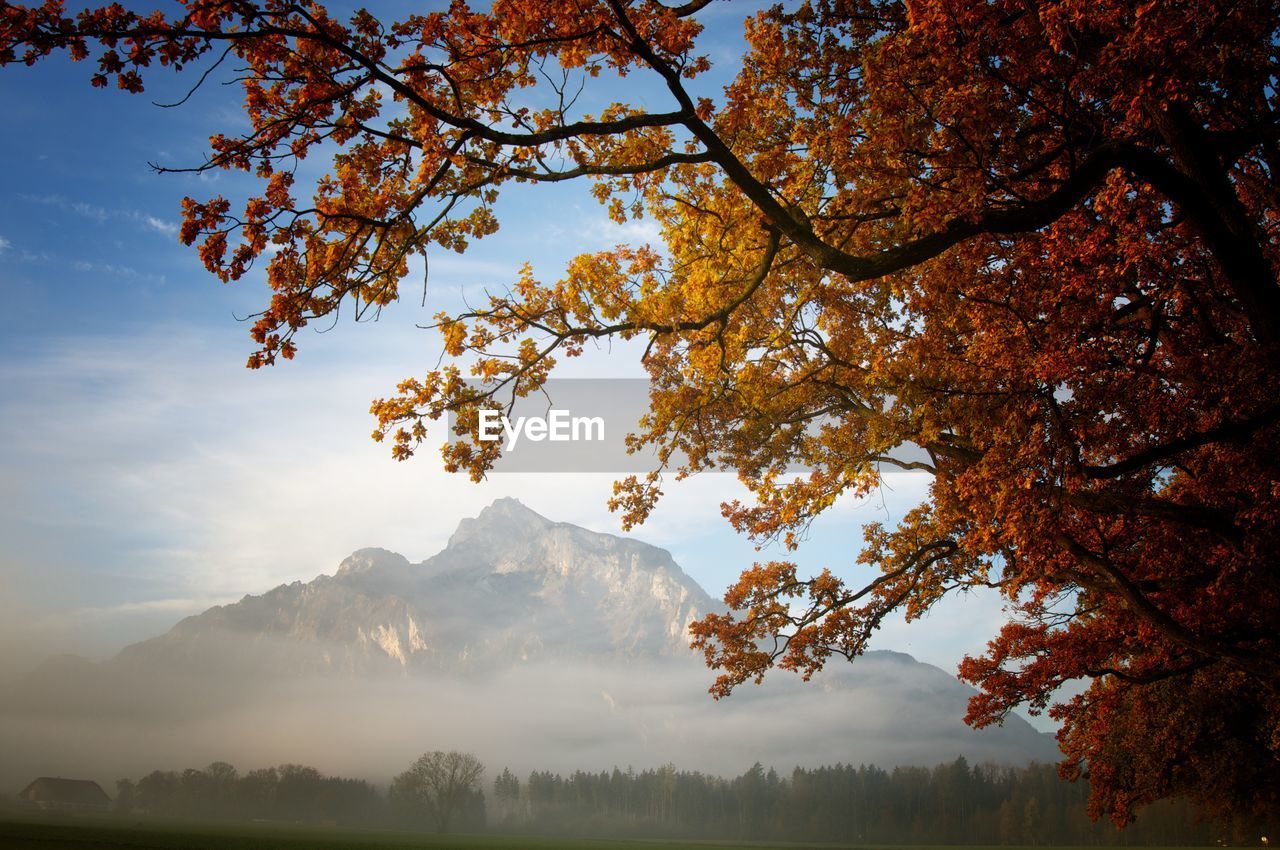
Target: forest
953	803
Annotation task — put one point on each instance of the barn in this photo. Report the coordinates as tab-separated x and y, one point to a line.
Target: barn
59	794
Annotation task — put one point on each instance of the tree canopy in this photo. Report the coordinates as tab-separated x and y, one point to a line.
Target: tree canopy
440	784
1035	240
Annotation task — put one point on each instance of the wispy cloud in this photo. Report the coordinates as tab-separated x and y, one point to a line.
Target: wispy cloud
5	244
116	270
160	226
99	214
103	215
179	605
635	232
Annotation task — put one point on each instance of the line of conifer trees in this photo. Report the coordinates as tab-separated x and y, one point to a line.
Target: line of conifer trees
954	803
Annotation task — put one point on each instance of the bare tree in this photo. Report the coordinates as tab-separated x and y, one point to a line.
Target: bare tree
440	783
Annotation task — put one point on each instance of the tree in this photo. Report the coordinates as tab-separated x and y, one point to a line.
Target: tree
506	796
222	780
258	791
157	792
439	784
1034	240
126	793
297	790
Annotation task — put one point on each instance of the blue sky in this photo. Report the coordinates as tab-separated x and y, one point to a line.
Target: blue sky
145	474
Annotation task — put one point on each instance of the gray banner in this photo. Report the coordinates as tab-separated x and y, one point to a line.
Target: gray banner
581	425
575	425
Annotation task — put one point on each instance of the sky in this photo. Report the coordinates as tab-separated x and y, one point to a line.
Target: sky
146	475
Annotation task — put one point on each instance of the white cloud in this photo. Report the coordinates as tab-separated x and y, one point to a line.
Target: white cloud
159	225
102	215
179	606
5	244
80	208
641	232
115	270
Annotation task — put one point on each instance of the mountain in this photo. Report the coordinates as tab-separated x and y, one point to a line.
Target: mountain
533	643
510	587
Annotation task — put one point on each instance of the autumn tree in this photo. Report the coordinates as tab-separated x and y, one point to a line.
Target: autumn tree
439	784
1035	240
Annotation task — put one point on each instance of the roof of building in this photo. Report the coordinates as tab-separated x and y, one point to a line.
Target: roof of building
51	789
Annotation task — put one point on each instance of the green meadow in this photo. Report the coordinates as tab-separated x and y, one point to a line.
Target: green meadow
37	833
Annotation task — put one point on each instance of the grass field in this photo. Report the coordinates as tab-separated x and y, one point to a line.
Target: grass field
118	834
105	833
35	833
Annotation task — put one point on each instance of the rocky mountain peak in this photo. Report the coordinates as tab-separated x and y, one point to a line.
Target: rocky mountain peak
510	588
372	560
504	519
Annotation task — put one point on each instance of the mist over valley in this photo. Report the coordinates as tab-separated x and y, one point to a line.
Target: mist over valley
534	644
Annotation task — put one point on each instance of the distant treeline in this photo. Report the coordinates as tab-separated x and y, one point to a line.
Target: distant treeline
954	803
950	804
290	793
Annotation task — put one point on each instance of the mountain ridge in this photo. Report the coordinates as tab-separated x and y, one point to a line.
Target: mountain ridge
522	636
509	585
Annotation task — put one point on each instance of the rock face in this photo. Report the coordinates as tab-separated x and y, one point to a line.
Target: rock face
510	587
